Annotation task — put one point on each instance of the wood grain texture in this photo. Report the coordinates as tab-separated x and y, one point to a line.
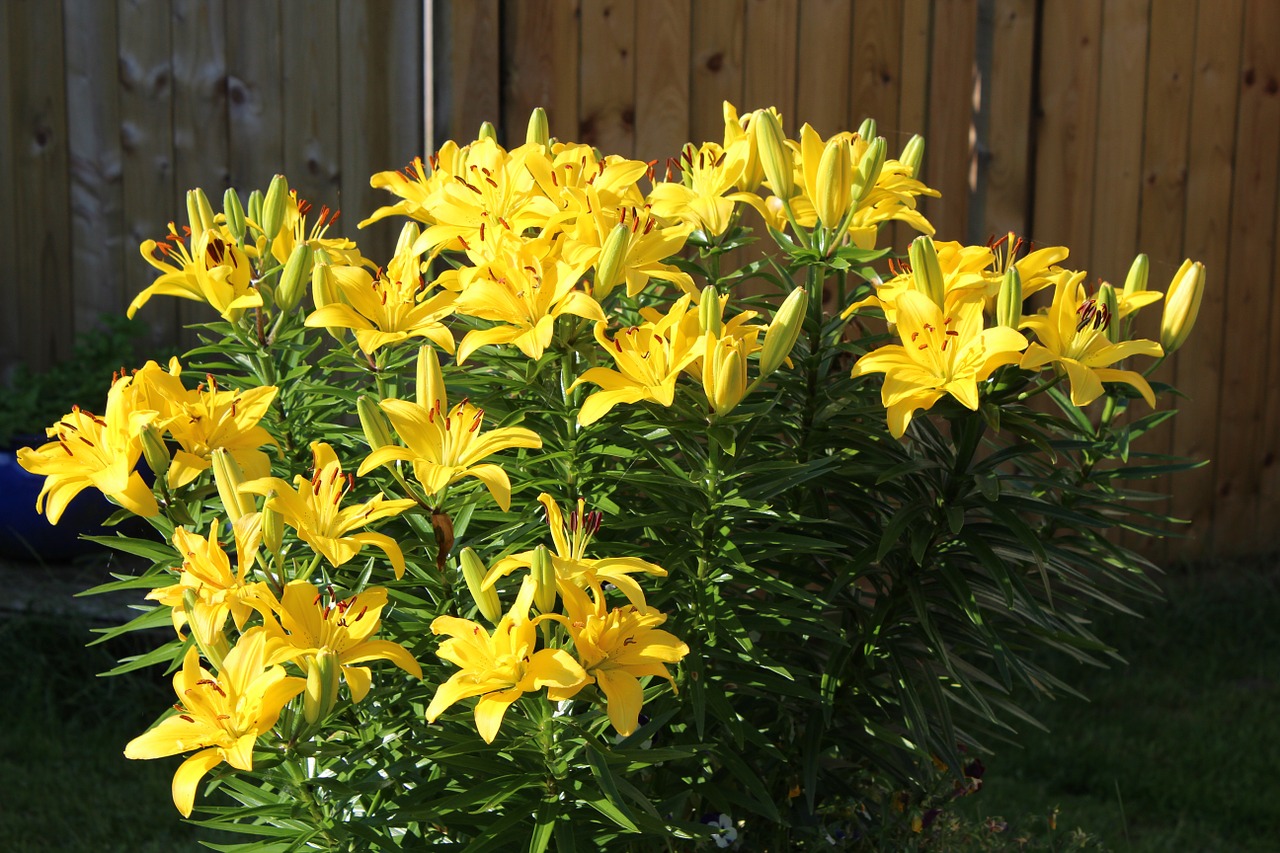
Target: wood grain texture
769	79
255	97
950	151
913	92
1007	107
823	67
473	49
1215	94
10	321
607	86
1242	451
875	67
662	78
541	59
312	108
717	70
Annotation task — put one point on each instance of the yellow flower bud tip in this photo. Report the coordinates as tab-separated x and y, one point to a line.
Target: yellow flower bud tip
289	289
155	451
486	599
272	525
613	256
912	155
869	168
228	477
1182	305
781	336
539	130
1108	306
710	311
377	432
273	205
1009	300
321	692
199	213
867	130
835	182
1139	272
488	131
925	271
544	574
775	156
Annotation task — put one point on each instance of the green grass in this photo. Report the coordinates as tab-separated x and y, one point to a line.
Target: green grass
1180	749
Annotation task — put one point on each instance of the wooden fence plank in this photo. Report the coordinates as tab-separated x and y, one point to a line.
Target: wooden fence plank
950	151
473	49
93	136
662	94
1066	130
1215	90
875	67
311	107
255	97
1007	114
913	94
381	93
1267	455
717	54
824	61
541	51
769	78
1241	445
10	321
607	110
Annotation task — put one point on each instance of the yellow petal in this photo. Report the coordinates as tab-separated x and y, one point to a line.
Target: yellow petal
188	777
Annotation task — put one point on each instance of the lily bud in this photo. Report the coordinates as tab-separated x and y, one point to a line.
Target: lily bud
377	432
486	598
234	213
229	477
613	254
199	213
867	130
1009	301
322	294
409	234
869	168
272	524
321	692
724	373
781	336
154	450
835	182
430	380
289	289
775	156
543	572
1182	305
213	648
539	129
912	155
1136	281
710	311
273	207
926	271
254	209
1111	311
488	131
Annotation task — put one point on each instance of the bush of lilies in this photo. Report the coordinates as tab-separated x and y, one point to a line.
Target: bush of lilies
582	522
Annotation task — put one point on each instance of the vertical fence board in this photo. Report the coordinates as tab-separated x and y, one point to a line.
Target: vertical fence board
311	103
824	60
1211	151
950	149
381	93
93	137
913	93
1267	79
146	143
255	97
717	66
10	350
1007	104
875	68
474	47
541	50
1066	130
662	91
769	78
1241	456
607	110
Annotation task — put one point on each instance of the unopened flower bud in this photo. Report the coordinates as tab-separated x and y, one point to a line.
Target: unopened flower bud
710	311
228	477
154	450
1009	300
234	213
539	130
409	234
543	572
869	168
488	131
430	381
781	336
1182	305
322	294
289	290
272	524
199	213
321	693
1136	280
724	374
254	209
613	254
273	207
775	156
835	182
214	648
377	432
912	155
867	130
926	271
1110	308
486	598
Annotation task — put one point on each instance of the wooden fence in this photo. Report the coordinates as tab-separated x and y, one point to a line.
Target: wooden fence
1108	126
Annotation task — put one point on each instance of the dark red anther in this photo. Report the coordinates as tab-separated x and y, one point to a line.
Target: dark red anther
504	223
481	232
469	186
465	247
617	345
720	160
185	717
629	641
363	610
648	226
554	182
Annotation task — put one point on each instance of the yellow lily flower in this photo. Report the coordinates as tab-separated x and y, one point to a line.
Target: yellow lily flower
307	625
224	716
206	573
312	509
965	276
1073	336
572	567
617	648
215	271
941	353
649	357
414	185
385	310
499	667
444	448
295	232
703	199
646	243
579	183
91	451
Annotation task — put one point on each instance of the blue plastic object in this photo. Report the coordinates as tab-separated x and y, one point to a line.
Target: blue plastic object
28	536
